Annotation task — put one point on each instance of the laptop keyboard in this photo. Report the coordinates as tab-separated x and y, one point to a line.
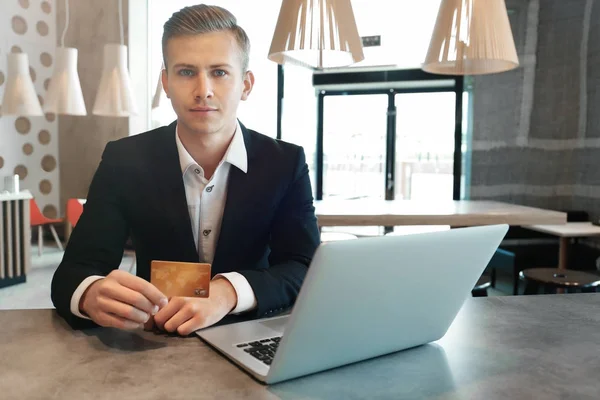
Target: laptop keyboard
263	350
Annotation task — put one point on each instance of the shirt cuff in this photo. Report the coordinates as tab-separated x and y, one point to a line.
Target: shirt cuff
79	292
246	300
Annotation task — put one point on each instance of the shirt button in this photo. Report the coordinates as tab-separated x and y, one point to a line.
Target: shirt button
210	188
206	232
197	170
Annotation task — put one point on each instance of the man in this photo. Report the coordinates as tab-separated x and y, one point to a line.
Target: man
203	189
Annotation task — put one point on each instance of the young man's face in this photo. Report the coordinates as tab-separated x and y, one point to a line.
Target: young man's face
205	81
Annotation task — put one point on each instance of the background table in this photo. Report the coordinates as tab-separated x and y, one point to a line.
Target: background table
566	232
519	347
417	212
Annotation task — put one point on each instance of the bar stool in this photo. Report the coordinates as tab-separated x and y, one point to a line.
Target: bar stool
39	220
553	278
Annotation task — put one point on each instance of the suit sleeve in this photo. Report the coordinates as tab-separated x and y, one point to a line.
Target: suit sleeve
294	240
97	243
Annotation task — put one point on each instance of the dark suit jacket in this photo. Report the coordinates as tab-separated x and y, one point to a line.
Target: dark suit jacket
268	233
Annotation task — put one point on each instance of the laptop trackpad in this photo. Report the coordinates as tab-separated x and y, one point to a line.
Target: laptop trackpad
277	324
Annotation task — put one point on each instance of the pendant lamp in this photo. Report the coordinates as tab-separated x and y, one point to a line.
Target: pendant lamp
114	97
316	34
20	98
471	37
64	94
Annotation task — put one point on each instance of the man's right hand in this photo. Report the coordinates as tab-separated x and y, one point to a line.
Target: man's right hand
121	300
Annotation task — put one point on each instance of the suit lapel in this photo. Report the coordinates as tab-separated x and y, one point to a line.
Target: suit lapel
173	201
239	190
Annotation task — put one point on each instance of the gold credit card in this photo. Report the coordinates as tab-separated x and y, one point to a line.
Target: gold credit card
184	279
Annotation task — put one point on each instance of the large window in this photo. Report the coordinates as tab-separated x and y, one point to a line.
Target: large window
384	129
259	112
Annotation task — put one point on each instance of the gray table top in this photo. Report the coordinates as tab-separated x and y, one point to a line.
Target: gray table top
497	348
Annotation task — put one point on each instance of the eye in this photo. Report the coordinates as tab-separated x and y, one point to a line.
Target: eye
186	72
220	72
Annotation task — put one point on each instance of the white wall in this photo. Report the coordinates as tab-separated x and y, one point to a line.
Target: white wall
139	62
405	27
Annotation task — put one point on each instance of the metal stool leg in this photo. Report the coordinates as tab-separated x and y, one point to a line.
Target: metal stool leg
40	241
56	237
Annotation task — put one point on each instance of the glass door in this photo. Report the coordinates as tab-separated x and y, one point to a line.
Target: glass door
354	146
354	149
425	126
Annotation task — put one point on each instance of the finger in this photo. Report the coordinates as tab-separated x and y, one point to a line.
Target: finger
167	312
142	286
191	325
178	319
122	310
128	296
111	320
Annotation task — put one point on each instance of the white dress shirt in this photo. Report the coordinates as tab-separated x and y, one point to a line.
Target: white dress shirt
206	203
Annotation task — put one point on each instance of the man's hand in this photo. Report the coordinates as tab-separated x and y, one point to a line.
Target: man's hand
121	300
188	314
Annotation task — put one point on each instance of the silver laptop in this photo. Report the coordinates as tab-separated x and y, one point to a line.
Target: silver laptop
362	299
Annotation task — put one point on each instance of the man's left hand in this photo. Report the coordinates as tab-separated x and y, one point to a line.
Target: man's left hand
185	315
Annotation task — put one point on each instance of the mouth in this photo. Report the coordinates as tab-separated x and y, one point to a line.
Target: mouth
203	109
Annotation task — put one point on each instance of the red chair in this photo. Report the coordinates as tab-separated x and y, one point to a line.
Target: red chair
38	219
74	210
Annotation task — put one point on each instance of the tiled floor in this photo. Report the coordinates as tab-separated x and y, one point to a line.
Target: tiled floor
35	293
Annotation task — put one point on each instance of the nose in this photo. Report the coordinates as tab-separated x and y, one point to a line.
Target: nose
203	88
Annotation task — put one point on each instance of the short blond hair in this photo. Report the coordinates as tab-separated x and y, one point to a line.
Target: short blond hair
202	18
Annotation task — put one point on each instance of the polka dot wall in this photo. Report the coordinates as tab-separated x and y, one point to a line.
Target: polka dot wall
29	145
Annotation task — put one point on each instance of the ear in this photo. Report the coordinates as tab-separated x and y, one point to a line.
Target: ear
165	81
248	85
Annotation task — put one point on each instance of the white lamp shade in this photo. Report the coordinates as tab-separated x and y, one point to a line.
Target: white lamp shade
20	97
316	33
64	94
114	97
471	37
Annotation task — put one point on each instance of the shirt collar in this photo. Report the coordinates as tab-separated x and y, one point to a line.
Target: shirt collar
236	153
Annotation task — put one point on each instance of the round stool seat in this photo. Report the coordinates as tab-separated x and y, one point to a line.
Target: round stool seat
564	278
335	236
